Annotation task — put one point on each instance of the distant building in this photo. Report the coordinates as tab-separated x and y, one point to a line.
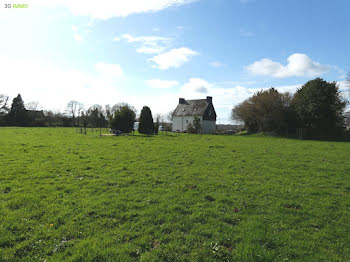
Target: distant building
186	111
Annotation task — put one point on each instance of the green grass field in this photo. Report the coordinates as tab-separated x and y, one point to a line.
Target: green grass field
180	197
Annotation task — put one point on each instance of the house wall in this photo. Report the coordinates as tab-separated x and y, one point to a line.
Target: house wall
180	124
208	126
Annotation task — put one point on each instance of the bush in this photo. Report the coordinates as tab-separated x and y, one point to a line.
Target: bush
318	105
124	118
265	111
195	127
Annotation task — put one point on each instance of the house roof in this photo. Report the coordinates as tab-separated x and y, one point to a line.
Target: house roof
196	107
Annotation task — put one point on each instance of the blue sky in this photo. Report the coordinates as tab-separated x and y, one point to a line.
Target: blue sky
151	52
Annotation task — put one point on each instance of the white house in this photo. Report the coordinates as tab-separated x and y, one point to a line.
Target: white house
186	110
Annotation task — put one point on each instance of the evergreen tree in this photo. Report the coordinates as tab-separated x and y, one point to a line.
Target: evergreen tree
318	105
18	115
124	118
146	125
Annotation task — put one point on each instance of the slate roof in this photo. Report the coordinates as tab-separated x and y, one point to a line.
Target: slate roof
198	107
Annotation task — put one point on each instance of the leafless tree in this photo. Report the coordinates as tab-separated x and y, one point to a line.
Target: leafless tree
32	107
80	110
158	117
3	102
169	116
73	109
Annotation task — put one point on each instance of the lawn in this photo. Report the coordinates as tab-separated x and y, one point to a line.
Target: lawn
176	197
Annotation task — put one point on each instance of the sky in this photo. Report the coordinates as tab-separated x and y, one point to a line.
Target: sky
151	52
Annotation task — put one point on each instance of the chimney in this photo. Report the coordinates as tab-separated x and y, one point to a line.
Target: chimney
181	100
209	99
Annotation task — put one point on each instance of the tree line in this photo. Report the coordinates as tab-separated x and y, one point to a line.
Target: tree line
317	109
119	117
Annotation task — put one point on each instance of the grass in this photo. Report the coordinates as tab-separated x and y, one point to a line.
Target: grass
180	197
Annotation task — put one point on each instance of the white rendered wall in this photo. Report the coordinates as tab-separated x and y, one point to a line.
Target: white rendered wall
180	124
208	127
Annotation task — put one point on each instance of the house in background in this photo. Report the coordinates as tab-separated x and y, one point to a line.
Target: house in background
186	111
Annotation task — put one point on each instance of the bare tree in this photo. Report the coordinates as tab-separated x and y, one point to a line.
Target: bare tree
158	117
72	109
3	102
108	113
169	116
167	120
80	110
32	107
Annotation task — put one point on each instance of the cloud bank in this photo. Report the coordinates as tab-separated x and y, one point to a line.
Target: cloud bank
297	65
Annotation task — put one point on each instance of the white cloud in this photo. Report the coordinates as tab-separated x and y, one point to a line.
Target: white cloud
196	85
157	83
298	65
78	37
175	58
147	44
106	9
110	70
